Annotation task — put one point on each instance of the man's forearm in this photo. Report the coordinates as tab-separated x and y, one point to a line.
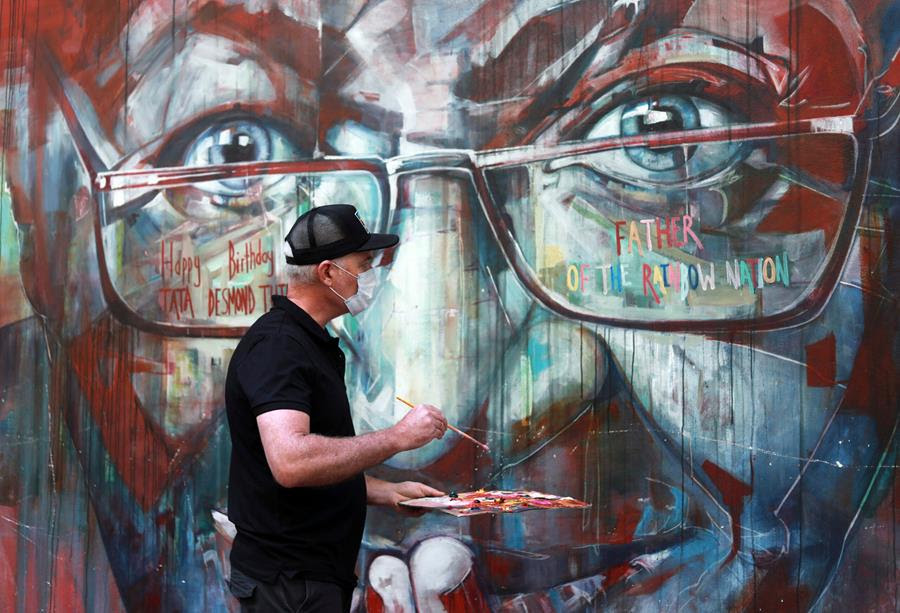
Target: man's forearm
315	460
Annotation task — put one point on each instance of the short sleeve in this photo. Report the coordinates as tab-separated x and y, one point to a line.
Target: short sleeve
276	374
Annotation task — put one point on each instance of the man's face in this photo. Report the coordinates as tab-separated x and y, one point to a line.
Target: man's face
453	324
358	263
344	275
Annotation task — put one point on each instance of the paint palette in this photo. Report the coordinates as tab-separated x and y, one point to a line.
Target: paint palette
480	502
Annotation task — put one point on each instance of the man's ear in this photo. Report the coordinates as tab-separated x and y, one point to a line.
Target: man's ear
324	272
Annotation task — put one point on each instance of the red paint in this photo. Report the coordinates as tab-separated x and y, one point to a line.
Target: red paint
466	597
65	595
733	492
777	590
653	582
462	457
374	603
619	236
872	389
9	535
648	284
616	574
627	520
829	75
821	362
803	210
134	443
830	157
10	591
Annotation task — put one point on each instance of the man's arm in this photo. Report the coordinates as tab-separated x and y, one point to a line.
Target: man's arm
298	458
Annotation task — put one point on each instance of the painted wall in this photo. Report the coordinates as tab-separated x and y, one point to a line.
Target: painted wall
648	254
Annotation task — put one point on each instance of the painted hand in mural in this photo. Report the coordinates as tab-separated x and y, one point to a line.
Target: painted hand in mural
645	255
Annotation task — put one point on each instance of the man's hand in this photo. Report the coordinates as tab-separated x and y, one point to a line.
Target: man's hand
419	426
390	494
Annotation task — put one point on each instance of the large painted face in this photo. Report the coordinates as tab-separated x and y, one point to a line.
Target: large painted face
670	332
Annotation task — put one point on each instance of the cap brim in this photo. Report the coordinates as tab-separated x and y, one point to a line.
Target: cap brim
379	241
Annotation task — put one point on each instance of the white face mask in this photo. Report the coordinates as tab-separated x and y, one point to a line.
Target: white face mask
365	291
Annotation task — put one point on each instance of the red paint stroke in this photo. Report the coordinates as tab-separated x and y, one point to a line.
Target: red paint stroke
462	457
9	537
465	597
374	603
542	41
66	596
653	582
134	443
627	521
827	75
830	157
776	590
733	492
821	362
618	573
872	389
803	210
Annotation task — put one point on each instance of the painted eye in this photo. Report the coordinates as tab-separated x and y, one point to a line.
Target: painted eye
237	141
229	143
664	165
234	139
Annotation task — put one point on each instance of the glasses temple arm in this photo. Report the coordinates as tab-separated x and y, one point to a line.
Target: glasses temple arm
53	77
844	124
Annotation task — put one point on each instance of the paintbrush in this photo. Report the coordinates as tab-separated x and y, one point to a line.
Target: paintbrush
452	427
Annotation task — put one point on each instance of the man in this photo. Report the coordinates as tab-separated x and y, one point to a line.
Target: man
297	492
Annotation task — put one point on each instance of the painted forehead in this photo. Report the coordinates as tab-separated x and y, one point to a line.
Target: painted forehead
484	29
429	69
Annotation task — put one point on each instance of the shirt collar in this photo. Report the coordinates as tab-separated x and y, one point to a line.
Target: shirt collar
302	318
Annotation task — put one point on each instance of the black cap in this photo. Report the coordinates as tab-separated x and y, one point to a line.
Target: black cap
330	231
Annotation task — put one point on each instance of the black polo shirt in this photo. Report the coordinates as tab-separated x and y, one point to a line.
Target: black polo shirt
287	361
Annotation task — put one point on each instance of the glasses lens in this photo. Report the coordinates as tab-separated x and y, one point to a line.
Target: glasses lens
211	253
716	231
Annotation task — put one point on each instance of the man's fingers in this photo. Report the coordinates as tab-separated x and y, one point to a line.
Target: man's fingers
439	416
430	491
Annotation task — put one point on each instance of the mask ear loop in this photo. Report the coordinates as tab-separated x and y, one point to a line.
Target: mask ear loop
336	265
334	291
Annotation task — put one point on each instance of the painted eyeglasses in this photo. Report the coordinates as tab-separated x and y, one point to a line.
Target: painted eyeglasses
668	213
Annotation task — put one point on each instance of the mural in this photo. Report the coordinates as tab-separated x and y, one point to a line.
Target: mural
648	253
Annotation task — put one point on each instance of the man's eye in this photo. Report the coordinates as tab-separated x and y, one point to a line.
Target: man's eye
664	165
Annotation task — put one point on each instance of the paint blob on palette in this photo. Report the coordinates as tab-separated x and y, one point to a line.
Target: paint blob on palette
495	501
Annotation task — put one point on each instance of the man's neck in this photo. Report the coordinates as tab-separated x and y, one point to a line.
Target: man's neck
317	308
